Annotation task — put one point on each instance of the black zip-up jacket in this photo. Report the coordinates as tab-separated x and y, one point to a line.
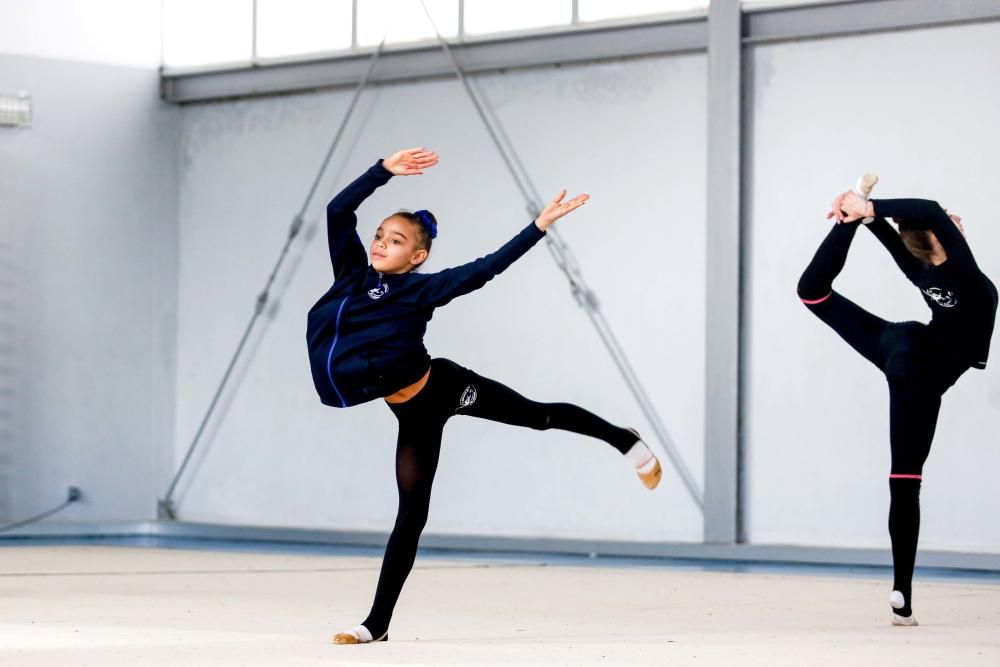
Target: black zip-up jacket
963	301
365	335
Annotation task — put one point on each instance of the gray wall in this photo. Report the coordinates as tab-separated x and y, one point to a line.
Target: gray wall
919	108
632	134
89	261
134	239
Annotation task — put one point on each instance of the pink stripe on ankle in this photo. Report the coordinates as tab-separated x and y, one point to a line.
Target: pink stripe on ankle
905	476
809	302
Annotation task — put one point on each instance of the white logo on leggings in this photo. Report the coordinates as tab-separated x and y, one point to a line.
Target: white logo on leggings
468	397
941	297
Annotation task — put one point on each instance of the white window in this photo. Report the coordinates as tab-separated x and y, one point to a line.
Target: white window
196	32
292	27
599	10
488	16
214	32
404	20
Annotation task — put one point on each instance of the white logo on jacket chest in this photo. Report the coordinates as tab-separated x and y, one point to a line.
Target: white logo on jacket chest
469	397
943	298
378	292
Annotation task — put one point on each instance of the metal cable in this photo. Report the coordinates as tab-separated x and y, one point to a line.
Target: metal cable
72	496
166	509
566	261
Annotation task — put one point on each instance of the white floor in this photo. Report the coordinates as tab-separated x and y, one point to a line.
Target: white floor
97	605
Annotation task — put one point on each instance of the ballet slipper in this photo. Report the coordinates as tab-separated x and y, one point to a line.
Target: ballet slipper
650	472
359	635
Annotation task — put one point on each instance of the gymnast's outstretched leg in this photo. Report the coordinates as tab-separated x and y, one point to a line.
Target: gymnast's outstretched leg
478	396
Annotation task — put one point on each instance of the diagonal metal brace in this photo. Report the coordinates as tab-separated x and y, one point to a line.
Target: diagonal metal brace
565	260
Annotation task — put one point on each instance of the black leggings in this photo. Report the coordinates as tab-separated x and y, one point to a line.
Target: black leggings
453	390
919	368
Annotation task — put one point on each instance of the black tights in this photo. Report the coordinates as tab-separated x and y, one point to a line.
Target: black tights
454	390
918	367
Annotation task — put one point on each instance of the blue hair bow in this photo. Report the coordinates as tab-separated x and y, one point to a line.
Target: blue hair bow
427	221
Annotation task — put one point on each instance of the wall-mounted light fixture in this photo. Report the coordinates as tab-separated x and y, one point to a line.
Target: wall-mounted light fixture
15	109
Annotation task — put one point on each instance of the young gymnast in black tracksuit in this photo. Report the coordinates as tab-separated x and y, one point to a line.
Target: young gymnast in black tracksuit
920	361
365	340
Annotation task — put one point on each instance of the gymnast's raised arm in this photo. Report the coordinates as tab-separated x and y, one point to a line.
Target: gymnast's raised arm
347	252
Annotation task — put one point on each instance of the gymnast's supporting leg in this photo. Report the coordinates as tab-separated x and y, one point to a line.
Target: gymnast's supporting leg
913	412
417	451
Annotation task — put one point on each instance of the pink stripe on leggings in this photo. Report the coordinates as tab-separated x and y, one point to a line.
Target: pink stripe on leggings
905	476
814	302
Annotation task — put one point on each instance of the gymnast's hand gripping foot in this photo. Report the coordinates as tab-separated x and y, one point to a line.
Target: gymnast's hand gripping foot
365	339
920	361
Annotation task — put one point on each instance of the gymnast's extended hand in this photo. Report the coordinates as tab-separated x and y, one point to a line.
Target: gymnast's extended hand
850	206
410	162
557	208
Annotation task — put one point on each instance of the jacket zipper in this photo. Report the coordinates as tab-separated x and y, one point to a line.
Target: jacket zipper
329	357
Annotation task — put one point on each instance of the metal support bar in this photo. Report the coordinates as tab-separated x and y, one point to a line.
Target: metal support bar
786	23
722	278
253	33
563	256
165	506
354	24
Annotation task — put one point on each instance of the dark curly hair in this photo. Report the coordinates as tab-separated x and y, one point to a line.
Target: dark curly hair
917	241
419	221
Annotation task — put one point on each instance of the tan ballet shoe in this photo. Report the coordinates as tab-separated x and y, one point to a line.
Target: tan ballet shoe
359	635
864	188
651	478
866	184
897	601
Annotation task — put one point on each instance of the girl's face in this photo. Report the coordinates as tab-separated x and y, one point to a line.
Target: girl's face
395	248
